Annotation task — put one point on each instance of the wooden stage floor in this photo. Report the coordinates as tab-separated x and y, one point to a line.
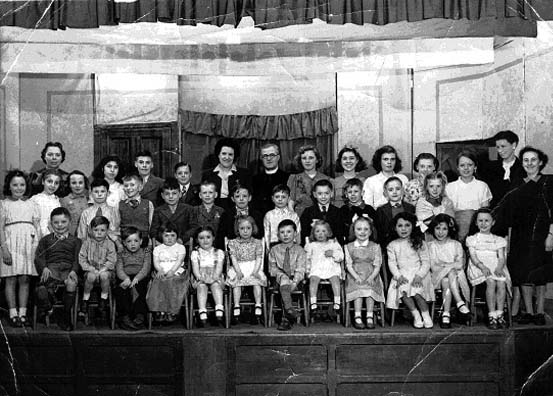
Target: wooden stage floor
324	359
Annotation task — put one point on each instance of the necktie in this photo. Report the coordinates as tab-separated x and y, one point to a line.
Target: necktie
286	264
99	212
183	191
133	203
323	211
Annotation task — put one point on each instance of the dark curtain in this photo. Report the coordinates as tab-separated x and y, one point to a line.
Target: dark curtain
59	14
201	131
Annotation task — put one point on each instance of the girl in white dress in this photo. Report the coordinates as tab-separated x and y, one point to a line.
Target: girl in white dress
487	264
447	267
410	267
19	236
47	200
324	257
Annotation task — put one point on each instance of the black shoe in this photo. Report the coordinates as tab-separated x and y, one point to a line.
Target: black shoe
127	324
291	314
539	319
492	323
139	321
501	323
370	322
15	322
284	325
23	321
445	322
526	319
358	323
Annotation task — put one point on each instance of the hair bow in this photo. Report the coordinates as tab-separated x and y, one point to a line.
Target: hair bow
356	216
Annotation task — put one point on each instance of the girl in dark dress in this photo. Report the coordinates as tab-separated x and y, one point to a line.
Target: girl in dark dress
527	210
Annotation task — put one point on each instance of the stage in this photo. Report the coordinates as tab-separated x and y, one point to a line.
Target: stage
324	359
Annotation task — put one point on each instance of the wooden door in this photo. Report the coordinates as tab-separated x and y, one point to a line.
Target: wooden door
161	139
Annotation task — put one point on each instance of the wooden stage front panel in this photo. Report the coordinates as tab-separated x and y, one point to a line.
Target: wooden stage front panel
320	360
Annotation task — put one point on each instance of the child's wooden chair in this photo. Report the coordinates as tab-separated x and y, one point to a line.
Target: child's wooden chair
379	307
245	301
323	299
299	295
478	295
58	303
192	295
188	272
94	302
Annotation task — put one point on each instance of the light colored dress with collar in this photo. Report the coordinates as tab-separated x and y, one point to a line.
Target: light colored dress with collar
363	258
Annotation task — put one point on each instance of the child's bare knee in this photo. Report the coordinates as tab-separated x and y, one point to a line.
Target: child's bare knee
90	277
104	276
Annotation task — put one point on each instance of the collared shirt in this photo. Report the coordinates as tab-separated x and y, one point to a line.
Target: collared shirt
272	220
468	196
373	189
298	260
224	175
356	243
507	167
323	208
271	171
108	212
184	188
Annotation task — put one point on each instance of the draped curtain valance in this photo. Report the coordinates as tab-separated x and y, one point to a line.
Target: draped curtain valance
307	125
59	14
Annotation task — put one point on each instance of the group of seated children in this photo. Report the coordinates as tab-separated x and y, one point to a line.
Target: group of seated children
118	245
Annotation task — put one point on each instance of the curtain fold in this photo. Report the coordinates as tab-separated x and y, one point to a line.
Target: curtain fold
308	125
201	131
59	14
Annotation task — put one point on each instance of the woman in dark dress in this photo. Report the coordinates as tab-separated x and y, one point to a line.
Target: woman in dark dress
226	174
527	210
53	156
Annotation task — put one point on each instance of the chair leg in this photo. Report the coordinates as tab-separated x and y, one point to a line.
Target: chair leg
271	306
382	315
393	318
472	306
264	305
306	310
347	319
186	313
509	301
75	312
113	313
191	309
35	314
149	320
226	301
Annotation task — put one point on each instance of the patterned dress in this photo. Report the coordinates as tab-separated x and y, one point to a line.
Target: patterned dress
246	253
207	261
363	258
19	218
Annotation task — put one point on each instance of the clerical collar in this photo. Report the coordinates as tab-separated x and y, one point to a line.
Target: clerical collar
271	171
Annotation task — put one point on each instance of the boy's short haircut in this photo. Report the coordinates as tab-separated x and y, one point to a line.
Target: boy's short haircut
99	183
128	231
170	184
509	136
182	163
143	153
99	220
354	182
207	183
280	188
286	223
237	187
391	179
60	211
133	175
323	183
